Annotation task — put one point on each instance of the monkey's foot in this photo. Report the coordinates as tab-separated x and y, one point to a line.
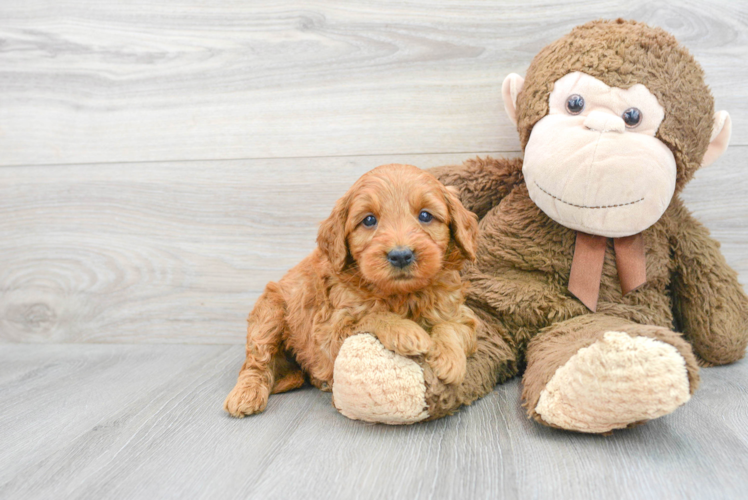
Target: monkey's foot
616	382
376	385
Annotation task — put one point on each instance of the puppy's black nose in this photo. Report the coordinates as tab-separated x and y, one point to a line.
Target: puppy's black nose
400	257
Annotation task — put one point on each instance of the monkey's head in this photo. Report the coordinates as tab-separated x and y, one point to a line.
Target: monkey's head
614	118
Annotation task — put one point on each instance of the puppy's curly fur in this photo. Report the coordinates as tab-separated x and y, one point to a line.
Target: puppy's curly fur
352	284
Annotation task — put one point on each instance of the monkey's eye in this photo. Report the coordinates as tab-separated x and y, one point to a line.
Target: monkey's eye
575	104
424	216
632	117
369	221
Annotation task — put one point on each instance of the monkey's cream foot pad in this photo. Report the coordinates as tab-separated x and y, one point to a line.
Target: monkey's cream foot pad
617	381
374	384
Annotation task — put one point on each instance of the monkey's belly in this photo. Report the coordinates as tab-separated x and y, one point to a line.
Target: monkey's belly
518	239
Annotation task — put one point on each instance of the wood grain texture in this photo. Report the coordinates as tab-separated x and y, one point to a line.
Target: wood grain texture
116	421
85	81
178	252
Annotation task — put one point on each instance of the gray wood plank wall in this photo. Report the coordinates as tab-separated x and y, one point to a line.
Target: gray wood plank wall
161	161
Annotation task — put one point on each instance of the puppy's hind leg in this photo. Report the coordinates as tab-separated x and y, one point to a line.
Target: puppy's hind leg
264	337
288	374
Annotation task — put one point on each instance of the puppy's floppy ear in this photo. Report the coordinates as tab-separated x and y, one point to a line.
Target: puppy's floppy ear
331	236
463	224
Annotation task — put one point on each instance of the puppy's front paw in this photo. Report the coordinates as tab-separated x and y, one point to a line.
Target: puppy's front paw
405	338
449	364
246	399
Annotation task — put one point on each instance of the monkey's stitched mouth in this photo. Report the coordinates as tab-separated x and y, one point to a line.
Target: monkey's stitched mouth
585	206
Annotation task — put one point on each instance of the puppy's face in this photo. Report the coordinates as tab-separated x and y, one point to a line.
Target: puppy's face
400	226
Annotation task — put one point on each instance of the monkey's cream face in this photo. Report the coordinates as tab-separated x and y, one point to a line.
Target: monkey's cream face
594	164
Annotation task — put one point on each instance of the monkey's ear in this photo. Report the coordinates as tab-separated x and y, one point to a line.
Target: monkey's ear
720	138
510	90
331	236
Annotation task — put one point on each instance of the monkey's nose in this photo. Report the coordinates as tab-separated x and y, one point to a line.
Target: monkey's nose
400	257
600	121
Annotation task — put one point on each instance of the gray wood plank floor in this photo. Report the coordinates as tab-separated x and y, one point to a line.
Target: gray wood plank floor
138	421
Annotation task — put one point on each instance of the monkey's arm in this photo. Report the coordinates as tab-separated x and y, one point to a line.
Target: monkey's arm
709	303
542	303
481	183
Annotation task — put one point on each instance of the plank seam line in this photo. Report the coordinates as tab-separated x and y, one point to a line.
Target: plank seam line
84	164
259	158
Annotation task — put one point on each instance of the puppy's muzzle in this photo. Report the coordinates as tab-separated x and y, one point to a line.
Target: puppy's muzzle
401	257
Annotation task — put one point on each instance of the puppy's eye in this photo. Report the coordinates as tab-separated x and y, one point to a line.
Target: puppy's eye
575	104
424	216
632	117
369	221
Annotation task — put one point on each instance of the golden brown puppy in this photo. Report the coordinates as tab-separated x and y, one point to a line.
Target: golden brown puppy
387	263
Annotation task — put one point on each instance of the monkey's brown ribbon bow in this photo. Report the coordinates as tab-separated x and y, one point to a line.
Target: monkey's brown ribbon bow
587	265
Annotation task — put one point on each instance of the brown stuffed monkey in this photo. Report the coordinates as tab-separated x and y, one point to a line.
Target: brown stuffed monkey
588	262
